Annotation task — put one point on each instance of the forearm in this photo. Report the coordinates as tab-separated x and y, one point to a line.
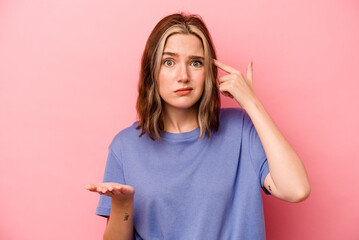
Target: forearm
286	168
120	224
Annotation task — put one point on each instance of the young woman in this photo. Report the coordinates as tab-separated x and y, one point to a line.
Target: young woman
198	170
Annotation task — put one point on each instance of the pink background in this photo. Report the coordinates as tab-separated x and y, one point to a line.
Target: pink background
68	84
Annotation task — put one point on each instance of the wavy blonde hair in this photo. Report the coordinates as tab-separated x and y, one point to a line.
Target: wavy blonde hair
149	102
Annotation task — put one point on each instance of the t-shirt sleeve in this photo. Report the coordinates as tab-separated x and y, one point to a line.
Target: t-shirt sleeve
256	152
113	173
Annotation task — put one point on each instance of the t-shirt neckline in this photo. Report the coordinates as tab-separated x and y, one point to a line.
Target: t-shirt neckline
181	136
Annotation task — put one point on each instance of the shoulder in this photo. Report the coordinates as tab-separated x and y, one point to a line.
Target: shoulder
235	115
232	116
230	121
128	134
234	121
230	113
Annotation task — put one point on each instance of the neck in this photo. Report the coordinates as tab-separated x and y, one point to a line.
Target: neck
180	120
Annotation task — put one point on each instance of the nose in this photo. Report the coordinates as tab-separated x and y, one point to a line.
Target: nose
183	73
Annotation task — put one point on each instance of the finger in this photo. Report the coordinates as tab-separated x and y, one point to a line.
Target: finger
223	88
104	190
250	72
95	188
225	67
101	189
227	94
108	194
91	187
226	78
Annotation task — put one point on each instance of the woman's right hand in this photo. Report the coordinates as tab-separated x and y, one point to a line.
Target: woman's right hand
114	190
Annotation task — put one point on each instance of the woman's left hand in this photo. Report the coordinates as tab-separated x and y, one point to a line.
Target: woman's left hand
236	85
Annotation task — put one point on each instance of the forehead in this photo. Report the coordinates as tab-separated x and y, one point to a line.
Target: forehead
184	44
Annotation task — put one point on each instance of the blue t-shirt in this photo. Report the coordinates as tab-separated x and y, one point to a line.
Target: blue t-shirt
192	188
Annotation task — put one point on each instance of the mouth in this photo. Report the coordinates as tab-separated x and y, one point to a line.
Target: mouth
183	91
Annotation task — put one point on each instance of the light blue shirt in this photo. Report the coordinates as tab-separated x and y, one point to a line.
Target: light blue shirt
191	188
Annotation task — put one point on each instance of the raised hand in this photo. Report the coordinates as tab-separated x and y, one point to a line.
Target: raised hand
114	190
236	85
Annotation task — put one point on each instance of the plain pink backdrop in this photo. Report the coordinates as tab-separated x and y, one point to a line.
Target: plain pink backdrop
68	84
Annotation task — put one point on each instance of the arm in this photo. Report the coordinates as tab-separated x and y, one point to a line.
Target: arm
120	222
287	179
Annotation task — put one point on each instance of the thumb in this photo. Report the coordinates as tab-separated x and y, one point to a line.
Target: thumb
250	72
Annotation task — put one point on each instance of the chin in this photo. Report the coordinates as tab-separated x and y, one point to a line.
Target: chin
183	106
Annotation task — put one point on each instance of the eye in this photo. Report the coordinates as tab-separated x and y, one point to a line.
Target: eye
168	63
196	63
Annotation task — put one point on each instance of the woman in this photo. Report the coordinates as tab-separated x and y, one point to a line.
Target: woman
198	170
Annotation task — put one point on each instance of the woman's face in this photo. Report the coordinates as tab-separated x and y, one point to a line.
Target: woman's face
182	73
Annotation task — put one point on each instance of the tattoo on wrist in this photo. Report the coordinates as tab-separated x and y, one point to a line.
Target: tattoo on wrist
126	217
269	188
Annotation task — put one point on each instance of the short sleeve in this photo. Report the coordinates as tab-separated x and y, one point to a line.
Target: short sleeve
113	173
256	152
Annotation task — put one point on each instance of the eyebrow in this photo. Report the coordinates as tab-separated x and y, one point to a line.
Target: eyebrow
176	55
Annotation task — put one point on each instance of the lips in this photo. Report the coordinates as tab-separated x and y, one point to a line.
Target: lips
184	89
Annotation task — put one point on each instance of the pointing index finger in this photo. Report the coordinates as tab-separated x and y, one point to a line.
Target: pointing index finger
225	67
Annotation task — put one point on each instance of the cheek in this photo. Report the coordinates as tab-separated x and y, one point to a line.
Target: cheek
163	83
161	79
200	78
164	76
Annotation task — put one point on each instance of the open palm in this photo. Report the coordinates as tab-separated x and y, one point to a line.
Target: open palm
114	190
